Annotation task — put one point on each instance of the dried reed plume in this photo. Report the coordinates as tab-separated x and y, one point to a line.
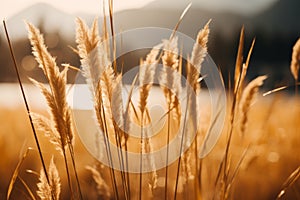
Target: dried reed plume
295	61
87	49
117	102
45	190
193	68
146	76
167	82
170	64
30	119
60	112
246	99
56	96
244	70
200	47
45	125
239	61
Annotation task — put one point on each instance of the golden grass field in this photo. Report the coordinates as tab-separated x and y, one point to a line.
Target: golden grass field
273	131
257	156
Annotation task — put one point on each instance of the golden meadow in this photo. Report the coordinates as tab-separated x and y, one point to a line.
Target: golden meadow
256	157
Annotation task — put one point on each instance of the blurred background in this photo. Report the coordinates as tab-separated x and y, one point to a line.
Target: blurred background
274	23
274	125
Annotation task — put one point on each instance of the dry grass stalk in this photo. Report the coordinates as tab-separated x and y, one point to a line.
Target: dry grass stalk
45	190
28	113
16	173
152	178
192	91
289	182
180	19
295	60
177	87
247	98
245	67
60	112
102	123
146	76
100	77
87	48
118	121
200	47
193	72
224	167
167	82
45	125
170	66
187	167
56	96
239	60
295	63
117	102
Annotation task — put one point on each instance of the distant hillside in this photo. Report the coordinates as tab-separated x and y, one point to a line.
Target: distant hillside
276	29
193	21
282	17
41	13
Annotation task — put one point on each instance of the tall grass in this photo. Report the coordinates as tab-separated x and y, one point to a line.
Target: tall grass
105	84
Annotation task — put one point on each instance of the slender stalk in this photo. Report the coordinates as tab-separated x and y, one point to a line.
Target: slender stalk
167	157
197	174
110	5
296	87
109	155
71	150
127	173
180	152
141	156
121	160
232	119
26	104
68	173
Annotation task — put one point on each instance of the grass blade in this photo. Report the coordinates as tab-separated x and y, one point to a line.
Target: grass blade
25	101
15	174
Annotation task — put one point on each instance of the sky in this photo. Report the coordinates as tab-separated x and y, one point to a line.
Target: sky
247	7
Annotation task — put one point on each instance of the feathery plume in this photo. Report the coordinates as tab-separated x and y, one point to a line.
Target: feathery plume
200	47
117	101
45	125
146	75
87	48
239	60
148	148
56	96
247	98
44	189
170	66
295	60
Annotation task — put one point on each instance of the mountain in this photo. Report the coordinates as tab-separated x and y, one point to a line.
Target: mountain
282	17
275	28
192	22
41	13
